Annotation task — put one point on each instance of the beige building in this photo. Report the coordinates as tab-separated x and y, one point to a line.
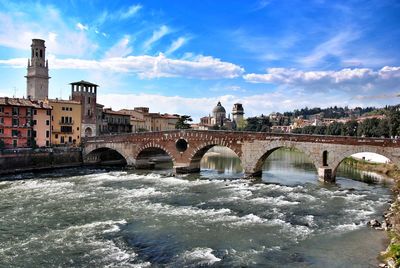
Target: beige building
42	123
116	122
143	120
66	122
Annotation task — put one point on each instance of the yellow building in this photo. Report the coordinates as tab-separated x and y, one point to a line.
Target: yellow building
66	122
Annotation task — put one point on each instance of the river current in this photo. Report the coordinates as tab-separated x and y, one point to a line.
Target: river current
95	217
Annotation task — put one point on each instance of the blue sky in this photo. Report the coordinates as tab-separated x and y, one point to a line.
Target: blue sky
184	56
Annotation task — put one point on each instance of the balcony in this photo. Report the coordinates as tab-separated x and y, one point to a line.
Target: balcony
64	123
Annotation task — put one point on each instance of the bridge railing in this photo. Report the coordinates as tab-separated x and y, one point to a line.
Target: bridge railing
249	135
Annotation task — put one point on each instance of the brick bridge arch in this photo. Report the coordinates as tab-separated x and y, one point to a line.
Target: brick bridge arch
256	161
200	150
251	147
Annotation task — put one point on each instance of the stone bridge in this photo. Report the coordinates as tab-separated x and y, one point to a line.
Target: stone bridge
187	147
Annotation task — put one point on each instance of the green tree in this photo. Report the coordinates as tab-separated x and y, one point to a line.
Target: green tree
259	124
334	128
182	122
350	128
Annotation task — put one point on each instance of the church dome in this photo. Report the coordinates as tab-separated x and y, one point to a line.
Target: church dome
219	108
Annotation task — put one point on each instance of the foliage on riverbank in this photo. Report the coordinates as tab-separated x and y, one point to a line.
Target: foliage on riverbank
392	254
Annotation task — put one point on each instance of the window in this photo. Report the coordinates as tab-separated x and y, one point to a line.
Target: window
34	122
56	136
62	139
52	118
47	134
15	111
1	109
48	112
34	133
88	112
1	131
47	143
69	139
29	133
41	53
62	119
15	143
1	120
88	100
63	108
77	128
66	129
47	122
325	158
14	133
15	122
70	108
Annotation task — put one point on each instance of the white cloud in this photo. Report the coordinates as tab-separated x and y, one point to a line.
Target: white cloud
46	24
132	10
157	35
176	45
334	46
201	67
82	27
350	80
120	49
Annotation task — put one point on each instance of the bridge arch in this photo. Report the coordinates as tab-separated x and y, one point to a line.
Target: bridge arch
150	148
105	154
339	157
254	164
200	150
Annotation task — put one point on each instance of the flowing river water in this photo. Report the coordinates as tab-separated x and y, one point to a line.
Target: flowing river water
95	217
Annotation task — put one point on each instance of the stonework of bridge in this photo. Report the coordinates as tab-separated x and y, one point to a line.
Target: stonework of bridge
187	147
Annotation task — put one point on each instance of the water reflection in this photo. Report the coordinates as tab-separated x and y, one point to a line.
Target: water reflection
284	166
221	160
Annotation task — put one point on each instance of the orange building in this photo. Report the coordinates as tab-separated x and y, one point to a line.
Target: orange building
17	123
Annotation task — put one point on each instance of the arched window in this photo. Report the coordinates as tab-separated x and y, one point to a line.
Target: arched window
41	53
325	158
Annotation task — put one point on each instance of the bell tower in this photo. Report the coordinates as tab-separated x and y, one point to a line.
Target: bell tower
37	78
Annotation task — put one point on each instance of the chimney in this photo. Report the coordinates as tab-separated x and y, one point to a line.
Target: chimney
6	100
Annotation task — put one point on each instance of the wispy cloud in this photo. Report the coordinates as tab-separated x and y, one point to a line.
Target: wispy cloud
157	35
46	23
201	67
337	46
82	27
132	11
176	45
120	49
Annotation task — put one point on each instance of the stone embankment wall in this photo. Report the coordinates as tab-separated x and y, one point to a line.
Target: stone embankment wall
19	160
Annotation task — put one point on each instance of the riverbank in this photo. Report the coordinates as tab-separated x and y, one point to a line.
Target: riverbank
392	254
26	160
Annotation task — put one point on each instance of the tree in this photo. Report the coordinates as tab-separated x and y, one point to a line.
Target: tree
182	122
258	124
335	128
350	128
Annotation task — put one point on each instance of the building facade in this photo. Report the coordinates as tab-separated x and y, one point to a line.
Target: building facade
66	122
42	112
218	120
117	122
19	123
86	93
37	78
143	120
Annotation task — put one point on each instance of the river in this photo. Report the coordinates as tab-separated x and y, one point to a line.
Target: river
96	217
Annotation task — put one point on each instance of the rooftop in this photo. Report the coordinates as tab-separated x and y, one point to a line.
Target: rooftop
83	82
24	103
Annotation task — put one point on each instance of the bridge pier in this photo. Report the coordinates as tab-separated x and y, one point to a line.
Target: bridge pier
325	174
